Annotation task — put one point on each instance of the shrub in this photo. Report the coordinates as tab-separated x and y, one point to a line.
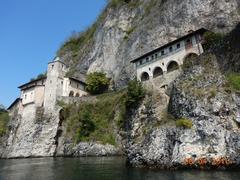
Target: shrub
234	81
97	82
135	93
186	123
213	40
190	61
2	108
4	118
94	120
42	75
87	126
116	3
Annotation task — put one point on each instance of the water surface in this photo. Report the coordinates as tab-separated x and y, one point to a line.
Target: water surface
108	168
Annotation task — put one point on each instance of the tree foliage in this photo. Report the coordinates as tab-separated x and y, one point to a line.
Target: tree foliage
87	126
4	118
233	81
213	40
2	108
97	82
135	93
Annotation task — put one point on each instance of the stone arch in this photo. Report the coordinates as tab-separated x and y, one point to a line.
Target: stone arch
190	56
172	66
71	94
145	76
157	72
77	95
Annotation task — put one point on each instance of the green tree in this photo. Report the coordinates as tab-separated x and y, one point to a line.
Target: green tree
42	75
135	93
2	108
97	82
213	40
4	118
87	126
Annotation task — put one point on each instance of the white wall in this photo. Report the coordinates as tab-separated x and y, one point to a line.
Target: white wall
177	55
71	85
27	96
54	83
39	95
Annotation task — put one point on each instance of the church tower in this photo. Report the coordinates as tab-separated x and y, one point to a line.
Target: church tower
54	83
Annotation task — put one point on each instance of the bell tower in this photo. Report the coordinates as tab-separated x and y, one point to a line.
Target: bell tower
54	83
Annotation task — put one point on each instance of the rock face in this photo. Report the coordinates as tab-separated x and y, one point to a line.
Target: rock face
132	29
200	96
37	133
32	134
151	138
91	149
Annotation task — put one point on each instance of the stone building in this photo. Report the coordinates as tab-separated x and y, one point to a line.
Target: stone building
43	92
163	64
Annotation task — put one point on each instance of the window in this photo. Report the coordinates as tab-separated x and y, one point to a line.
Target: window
178	45
52	66
162	52
140	62
170	49
156	55
152	57
70	82
25	96
147	59
62	82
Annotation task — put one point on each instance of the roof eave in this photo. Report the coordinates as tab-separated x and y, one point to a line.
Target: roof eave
201	30
22	86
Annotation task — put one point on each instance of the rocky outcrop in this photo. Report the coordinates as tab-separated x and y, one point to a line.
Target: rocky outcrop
200	96
32	133
151	137
131	29
90	149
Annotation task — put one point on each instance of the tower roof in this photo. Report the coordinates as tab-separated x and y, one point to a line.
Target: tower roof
57	59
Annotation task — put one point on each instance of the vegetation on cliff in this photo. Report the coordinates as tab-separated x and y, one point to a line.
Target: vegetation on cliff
94	120
97	82
186	123
101	118
4	118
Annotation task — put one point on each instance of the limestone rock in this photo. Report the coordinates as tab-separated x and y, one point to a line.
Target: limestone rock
213	140
127	32
91	149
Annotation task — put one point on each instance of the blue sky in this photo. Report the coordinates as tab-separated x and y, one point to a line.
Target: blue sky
31	31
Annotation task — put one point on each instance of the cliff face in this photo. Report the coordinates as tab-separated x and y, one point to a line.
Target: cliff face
202	97
128	30
32	133
123	32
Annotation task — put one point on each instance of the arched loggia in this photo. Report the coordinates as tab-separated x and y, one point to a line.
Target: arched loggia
144	76
172	66
157	72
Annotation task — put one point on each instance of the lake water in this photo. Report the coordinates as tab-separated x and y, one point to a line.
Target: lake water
109	168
